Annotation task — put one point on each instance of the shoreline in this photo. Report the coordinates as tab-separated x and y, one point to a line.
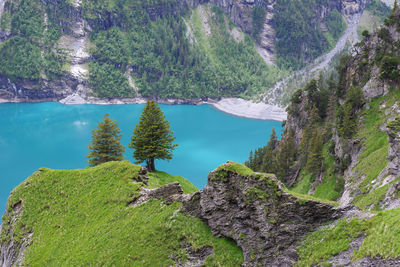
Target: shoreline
234	106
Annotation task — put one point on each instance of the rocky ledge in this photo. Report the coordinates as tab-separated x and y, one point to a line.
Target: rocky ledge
255	211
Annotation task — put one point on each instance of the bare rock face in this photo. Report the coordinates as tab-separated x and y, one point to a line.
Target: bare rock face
364	70
254	210
350	7
37	90
12	253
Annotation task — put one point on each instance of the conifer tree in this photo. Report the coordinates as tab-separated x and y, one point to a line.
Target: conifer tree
314	160
273	140
152	138
106	143
305	143
286	156
269	160
250	162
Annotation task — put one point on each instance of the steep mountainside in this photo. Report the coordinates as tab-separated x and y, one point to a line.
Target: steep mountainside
341	143
162	49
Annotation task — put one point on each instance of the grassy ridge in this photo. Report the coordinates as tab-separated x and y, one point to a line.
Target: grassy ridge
81	217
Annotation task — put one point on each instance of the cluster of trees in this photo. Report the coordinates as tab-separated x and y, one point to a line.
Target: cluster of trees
152	139
326	112
276	157
285	158
148	36
299	35
21	56
164	62
378	8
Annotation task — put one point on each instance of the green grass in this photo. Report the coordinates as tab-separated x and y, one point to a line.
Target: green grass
81	218
200	33
331	187
237	168
373	158
159	178
303	186
321	245
372	199
382	238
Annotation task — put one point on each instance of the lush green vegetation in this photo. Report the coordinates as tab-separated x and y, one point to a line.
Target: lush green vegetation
335	23
81	217
382	239
373	16
19	58
109	81
148	36
106	143
152	138
31	52
332	184
165	62
321	245
299	35
378	9
171	52
373	158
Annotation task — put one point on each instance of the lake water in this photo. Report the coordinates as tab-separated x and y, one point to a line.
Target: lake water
34	135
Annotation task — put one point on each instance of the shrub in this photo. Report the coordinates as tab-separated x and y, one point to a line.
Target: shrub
390	68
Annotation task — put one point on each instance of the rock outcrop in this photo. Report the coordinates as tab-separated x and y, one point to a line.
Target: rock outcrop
256	212
12	254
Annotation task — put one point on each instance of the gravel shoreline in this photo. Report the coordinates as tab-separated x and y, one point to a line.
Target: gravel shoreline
235	106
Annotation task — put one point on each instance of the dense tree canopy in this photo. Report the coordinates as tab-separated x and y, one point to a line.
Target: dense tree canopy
106	143
152	138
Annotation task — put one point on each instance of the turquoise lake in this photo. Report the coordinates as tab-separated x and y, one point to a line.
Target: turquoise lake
34	135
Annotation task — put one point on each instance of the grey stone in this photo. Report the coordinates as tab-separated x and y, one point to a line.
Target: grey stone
264	220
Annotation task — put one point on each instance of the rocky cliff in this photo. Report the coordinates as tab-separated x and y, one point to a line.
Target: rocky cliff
256	212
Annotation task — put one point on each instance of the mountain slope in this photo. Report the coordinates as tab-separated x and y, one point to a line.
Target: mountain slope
159	49
341	143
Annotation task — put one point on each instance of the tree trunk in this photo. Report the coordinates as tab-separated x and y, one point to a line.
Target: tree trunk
150	165
153	166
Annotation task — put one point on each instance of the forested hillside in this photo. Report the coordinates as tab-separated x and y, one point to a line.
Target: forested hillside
300	37
160	49
341	143
340	136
